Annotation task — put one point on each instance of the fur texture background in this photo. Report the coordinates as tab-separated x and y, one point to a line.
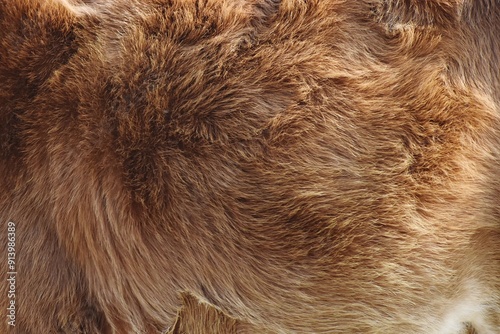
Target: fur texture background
295	166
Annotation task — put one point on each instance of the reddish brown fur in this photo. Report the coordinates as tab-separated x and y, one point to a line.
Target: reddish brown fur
301	166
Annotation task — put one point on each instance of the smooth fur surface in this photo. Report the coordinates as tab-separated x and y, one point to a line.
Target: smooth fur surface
294	166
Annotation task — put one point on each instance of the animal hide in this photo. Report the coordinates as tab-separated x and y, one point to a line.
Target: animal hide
250	166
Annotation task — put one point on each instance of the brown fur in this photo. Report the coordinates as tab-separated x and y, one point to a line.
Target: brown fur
294	166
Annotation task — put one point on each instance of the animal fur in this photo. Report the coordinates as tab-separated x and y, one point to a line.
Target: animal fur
285	166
